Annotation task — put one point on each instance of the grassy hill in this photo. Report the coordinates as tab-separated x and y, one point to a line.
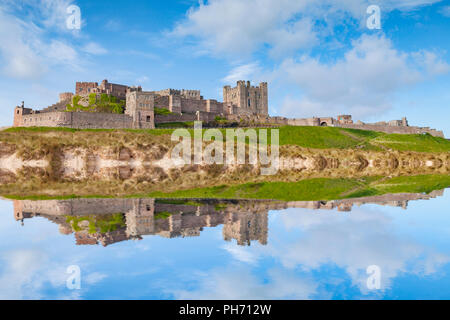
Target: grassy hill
322	189
317	189
308	137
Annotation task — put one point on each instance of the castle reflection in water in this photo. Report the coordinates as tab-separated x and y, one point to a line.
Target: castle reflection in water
107	221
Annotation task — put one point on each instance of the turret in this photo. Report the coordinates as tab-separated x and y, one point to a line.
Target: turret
18	113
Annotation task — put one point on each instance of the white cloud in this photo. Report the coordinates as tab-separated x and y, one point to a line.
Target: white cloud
27	50
242	26
285	26
50	14
362	83
30	273
94	48
431	63
141	80
242	72
27	273
94	278
61	53
19	59
113	25
240	284
354	242
54	13
241	253
445	11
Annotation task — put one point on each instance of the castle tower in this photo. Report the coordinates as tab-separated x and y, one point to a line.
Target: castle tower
18	210
18	113
82	88
245	227
247	98
140	106
65	96
405	122
140	219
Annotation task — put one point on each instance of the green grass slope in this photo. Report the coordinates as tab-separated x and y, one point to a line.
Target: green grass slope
317	189
308	137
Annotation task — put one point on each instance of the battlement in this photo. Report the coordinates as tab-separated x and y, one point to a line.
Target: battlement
65	96
187	94
85	87
117	90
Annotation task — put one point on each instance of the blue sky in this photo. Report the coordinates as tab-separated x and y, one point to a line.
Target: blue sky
318	56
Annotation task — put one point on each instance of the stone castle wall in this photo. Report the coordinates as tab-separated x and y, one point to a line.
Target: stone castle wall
65	96
185	117
393	129
395	126
85	87
214	106
178	104
162	102
73	206
81	120
187	94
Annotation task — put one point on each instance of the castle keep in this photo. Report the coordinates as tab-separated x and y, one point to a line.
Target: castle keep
244	104
246	99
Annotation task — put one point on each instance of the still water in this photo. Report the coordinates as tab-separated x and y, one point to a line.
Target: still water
192	249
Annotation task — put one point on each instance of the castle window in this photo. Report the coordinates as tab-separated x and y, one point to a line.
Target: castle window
18	111
249	102
148	118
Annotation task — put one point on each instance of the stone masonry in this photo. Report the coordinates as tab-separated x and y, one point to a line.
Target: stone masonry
246	99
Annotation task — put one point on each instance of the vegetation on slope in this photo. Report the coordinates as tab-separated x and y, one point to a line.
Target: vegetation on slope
307	137
105	103
317	189
98	223
162	111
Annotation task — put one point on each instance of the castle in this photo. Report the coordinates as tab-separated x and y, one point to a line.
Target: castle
182	105
244	104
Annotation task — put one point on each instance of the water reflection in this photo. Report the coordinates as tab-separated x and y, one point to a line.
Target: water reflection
288	250
108	221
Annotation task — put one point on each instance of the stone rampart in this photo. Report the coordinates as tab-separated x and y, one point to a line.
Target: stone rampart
393	129
177	117
82	120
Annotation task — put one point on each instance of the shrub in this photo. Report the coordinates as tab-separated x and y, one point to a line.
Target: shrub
162	111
